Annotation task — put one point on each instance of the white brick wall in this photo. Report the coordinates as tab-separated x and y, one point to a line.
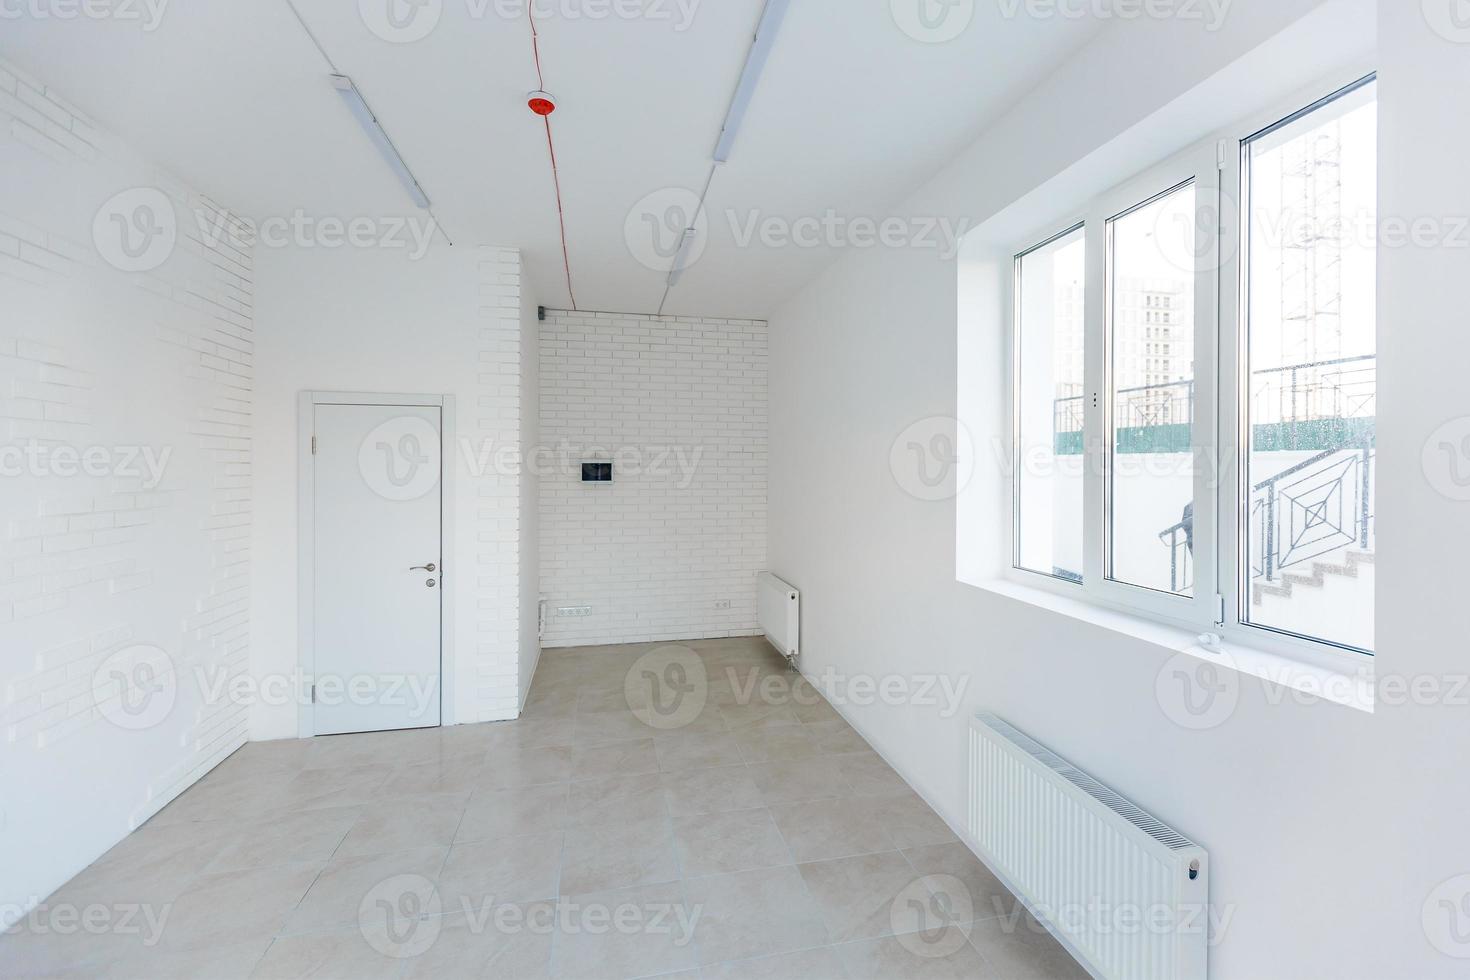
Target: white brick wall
496	612
97	368
679	405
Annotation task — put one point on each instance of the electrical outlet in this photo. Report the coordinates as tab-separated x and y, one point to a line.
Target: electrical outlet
577	611
722	603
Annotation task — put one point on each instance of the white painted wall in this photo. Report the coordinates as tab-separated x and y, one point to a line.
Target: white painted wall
107	566
377	320
679	405
1329	828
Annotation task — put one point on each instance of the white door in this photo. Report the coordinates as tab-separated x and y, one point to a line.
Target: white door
378	569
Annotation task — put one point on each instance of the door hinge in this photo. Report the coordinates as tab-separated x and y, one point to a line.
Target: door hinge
1219	610
1220	149
313	445
313	694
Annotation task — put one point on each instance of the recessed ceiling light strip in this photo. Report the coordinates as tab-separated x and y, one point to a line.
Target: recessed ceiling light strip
365	116
561	217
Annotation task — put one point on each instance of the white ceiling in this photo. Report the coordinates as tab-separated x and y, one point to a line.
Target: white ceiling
851	115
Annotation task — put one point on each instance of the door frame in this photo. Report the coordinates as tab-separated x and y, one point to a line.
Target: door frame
307	401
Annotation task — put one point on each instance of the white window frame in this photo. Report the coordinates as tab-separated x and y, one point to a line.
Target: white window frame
1014	389
1216	167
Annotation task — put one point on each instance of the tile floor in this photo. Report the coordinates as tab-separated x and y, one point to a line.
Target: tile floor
750	834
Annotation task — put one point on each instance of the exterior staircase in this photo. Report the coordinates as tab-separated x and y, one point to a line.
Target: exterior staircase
1330	598
1314	578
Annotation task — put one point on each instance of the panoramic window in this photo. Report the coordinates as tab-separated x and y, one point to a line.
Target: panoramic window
1049	406
1311	364
1266	536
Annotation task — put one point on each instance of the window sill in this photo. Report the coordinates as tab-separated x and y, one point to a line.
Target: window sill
1321	677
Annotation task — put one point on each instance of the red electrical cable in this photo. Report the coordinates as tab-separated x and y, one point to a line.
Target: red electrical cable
551	147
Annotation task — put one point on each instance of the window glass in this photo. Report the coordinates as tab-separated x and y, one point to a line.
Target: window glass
1151	313
1311	370
1049	410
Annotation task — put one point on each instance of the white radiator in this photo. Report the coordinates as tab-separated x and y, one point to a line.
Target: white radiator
1129	894
778	609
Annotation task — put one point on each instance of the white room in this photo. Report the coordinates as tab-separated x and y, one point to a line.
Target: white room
770	488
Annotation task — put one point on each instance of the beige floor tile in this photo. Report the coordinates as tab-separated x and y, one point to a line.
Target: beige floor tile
966	884
504	944
396	748
868	775
1020	948
314	789
596	727
495	872
49	941
798	780
228	962
775	744
338	954
673	720
618	697
525	766
455	773
227	799
294	838
601	859
814	709
150	866
631	758
942	955
255	760
615	935
856	894
343	885
835	737
615	801
823	829
694	791
237	906
752	914
768	813
721	843
808	964
910	822
402	825
758	715
697	751
546	701
493	814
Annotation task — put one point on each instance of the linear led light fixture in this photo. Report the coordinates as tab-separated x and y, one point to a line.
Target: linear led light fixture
374	130
755	63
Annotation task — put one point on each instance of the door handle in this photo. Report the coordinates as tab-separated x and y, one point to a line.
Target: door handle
423	568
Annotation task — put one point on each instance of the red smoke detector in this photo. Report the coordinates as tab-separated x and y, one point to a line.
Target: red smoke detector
541	103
